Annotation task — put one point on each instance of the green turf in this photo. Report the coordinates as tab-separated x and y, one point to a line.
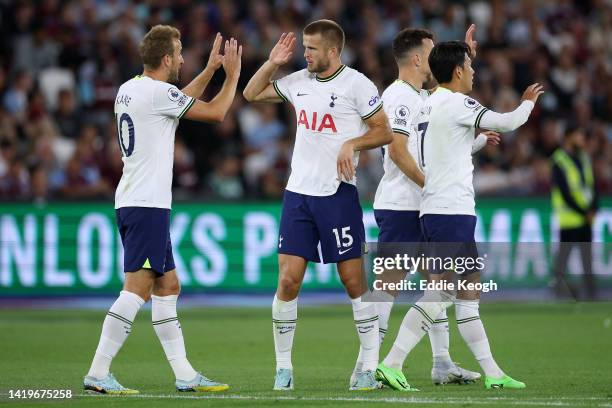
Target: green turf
563	352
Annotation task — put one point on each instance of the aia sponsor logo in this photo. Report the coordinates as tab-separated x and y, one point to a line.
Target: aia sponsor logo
312	122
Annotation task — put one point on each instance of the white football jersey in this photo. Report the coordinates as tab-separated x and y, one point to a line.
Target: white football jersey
445	127
402	103
329	112
147	113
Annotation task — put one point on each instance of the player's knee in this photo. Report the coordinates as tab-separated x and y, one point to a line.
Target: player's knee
167	287
168	290
144	295
288	284
354	286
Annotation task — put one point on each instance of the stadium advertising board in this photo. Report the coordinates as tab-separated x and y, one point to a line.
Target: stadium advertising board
63	249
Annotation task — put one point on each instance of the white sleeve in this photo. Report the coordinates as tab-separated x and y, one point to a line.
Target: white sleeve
366	98
506	122
168	100
479	142
284	85
399	115
467	111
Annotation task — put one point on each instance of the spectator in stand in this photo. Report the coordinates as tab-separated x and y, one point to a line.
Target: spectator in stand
68	58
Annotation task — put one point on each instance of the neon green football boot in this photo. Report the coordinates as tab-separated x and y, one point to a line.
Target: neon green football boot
393	378
505	382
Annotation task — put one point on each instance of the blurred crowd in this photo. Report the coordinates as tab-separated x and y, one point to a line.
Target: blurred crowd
61	63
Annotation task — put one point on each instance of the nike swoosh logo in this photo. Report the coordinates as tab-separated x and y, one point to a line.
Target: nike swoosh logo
284	331
345	251
301	94
365	331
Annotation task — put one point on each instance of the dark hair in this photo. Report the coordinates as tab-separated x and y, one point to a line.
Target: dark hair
157	43
407	39
445	57
330	31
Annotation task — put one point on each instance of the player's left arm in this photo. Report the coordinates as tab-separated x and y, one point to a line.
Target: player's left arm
379	134
196	87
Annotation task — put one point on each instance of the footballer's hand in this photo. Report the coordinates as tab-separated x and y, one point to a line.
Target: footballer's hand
532	93
469	40
232	58
493	138
283	50
215	60
346	170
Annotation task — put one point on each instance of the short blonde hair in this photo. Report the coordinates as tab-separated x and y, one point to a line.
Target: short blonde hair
330	31
157	43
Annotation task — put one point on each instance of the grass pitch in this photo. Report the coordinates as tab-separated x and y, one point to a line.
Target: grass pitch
562	351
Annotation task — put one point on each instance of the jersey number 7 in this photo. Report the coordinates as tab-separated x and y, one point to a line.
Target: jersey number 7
422	128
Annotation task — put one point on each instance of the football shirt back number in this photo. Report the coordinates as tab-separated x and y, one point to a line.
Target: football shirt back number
126	134
422	128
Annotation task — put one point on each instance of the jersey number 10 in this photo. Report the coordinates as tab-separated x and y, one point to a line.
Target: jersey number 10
125	130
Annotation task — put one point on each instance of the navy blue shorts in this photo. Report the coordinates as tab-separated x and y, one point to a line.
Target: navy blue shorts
335	221
145	234
399	233
448	228
450	236
398	226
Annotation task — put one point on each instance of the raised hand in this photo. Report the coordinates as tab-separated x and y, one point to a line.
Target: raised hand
469	40
215	60
283	50
232	58
532	93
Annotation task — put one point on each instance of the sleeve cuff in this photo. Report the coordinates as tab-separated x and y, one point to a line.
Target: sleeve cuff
479	117
187	107
369	115
278	91
400	131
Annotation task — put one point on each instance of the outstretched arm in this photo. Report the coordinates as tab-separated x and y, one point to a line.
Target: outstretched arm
196	87
217	108
260	88
506	122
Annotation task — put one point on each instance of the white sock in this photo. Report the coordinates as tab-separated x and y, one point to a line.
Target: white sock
384	304
473	332
115	330
170	334
384	307
415	325
439	339
284	320
366	321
